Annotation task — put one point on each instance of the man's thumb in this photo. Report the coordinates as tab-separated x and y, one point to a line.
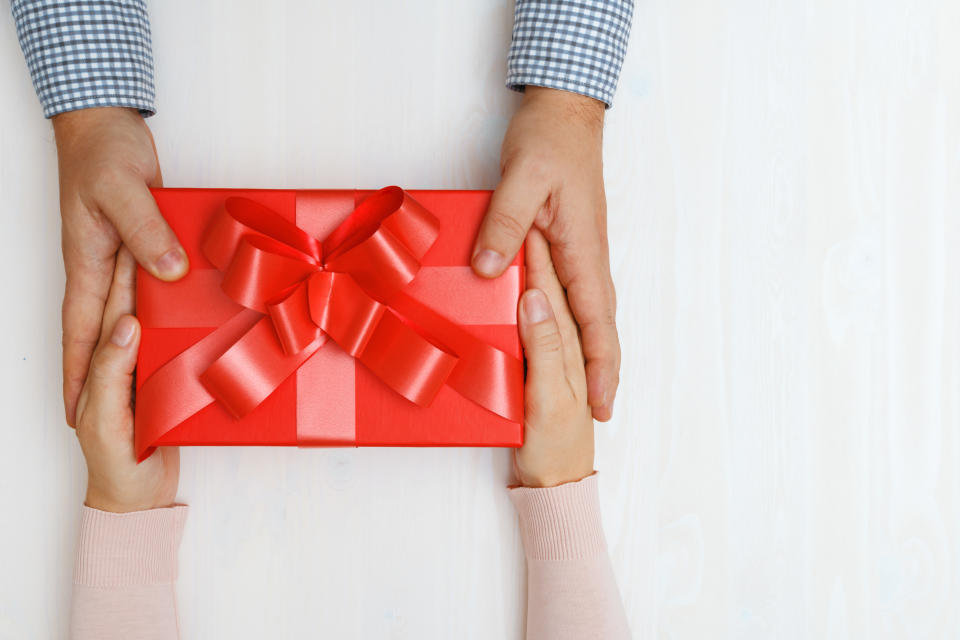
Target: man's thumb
541	338
513	208
141	226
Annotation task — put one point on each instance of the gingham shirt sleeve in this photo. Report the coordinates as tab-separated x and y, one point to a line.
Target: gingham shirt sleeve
87	53
574	45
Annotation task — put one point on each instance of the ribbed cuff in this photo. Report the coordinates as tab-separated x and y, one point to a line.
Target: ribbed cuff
561	523
118	549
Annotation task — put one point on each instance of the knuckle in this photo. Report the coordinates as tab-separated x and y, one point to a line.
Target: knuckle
609	364
549	215
506	225
75	339
145	231
602	319
548	342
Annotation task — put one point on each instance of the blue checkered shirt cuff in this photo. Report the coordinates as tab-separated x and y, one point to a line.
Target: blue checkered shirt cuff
573	45
87	53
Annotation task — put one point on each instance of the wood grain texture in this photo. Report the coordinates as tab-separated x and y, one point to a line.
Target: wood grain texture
784	221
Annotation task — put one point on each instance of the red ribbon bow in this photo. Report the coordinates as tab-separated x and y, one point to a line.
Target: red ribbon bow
300	292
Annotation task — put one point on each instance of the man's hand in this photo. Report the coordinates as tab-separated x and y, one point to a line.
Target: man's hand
552	178
105	414
108	162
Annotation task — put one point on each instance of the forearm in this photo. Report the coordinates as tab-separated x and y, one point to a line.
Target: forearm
95	53
573	45
124	582
571	590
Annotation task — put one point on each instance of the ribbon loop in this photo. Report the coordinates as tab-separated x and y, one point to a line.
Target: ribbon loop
239	218
391	208
403	359
291	320
406	361
260	268
381	264
339	307
251	369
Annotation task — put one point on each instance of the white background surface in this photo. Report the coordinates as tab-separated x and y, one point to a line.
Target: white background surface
784	460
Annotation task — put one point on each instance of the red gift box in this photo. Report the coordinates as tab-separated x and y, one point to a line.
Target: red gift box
328	318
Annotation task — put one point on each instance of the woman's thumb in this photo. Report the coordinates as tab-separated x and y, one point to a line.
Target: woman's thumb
114	361
541	338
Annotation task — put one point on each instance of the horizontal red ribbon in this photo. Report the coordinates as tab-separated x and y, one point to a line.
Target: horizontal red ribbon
300	293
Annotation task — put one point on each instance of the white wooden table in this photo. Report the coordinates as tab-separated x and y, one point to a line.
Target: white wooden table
784	460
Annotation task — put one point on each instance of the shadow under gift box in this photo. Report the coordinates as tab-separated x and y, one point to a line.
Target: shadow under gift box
332	399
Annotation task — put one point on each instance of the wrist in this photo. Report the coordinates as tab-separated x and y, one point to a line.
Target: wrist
104	502
555	479
566	104
67	124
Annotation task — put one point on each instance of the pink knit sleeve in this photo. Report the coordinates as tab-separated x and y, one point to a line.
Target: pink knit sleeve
125	576
571	590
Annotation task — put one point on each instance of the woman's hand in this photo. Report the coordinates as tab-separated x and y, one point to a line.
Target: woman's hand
558	441
105	413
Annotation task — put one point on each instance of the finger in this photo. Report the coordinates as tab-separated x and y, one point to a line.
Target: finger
542	344
111	369
88	283
585	274
127	202
513	207
122	296
541	275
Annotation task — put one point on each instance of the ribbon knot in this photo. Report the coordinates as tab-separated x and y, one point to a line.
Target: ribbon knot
349	289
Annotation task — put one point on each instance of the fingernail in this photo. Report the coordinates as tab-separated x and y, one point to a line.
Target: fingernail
172	263
123	332
488	262
536	307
